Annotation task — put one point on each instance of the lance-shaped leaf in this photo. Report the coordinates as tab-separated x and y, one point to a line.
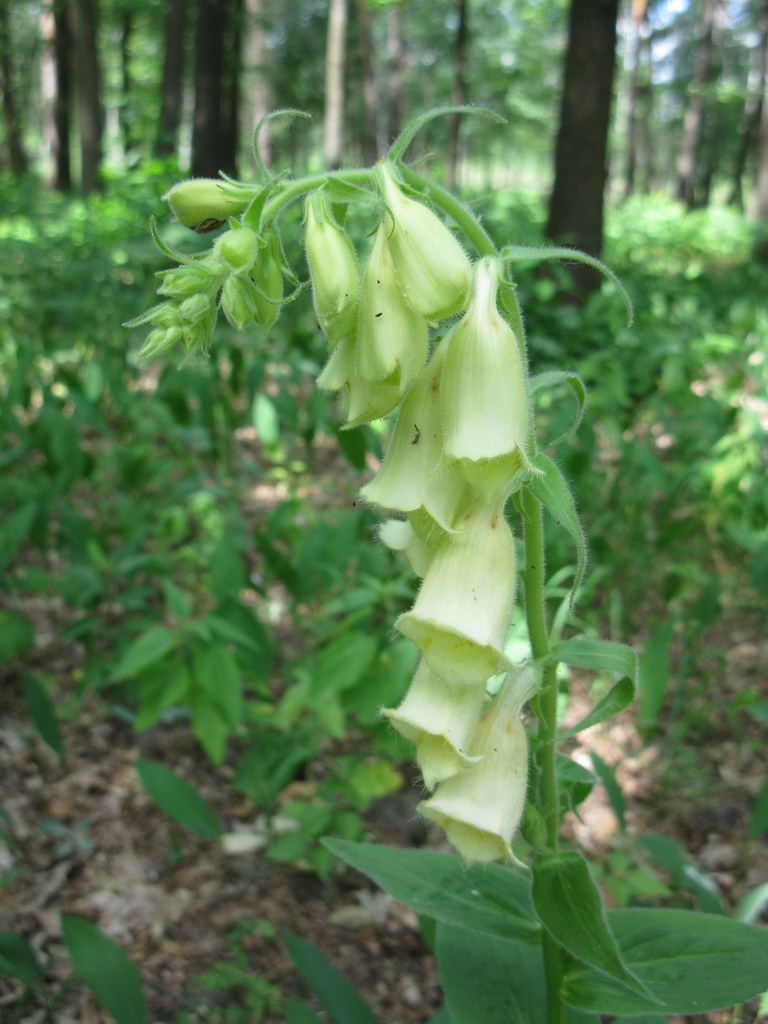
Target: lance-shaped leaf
552	490
618	697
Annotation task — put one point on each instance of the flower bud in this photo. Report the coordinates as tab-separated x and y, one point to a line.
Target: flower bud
333	270
484	394
268	278
190	278
194	308
238	302
433	271
440	720
461	614
480	807
392	340
202	203
238	249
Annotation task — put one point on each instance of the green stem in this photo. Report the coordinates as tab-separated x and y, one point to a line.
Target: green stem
298	186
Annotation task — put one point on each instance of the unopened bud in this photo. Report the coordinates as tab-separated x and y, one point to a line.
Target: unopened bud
333	269
203	204
238	249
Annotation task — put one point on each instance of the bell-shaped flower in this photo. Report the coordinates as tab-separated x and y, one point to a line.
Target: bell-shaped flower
204	204
484	397
462	611
433	271
399	535
404	481
365	400
333	270
440	720
480	808
392	340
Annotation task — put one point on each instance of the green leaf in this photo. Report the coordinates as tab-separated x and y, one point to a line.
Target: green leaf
105	969
217	673
673	857
571	909
19	960
618	697
297	1012
552	490
147	649
752	904
14	532
17	635
441	1016
340	999
490	979
341	664
177	798
551	378
691	962
487	898
601	655
264	417
654	677
161	687
758	820
612	789
40	710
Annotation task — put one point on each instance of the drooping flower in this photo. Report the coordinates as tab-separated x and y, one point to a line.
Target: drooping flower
399	535
333	269
461	614
433	271
267	276
440	720
484	398
480	807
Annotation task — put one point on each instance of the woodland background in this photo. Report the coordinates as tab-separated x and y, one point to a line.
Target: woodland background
188	582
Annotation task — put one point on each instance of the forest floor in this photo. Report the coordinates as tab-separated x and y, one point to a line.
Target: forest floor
83	837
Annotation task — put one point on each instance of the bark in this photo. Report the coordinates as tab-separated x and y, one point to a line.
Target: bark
55	94
257	101
83	27
126	104
581	151
458	90
230	89
638	165
209	67
759	204
395	69
17	157
335	52
62	157
685	187
368	143
753	106
174	28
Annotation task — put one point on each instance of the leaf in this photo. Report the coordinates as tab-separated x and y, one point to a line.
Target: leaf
340	999
601	655
673	857
297	1012
217	673
17	635
752	904
758	820
341	664
177	798
441	1016
407	135
40	710
264	417
570	908
654	677
487	898
147	649
612	789
161	688
692	963
15	531
105	969
490	979
19	960
551	378
552	490
618	697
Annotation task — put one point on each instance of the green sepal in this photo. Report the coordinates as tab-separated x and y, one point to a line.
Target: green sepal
170	251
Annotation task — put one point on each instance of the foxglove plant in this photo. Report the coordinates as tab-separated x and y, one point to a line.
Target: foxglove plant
428	324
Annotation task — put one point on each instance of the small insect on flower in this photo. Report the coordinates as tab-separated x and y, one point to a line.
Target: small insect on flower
209	224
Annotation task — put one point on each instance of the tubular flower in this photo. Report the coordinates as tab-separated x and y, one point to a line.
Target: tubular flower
333	269
399	535
365	400
434	272
440	720
480	808
484	394
203	204
392	340
461	614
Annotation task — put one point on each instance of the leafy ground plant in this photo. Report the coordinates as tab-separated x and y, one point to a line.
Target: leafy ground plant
427	330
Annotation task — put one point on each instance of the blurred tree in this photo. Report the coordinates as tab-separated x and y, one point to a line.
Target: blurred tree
257	91
395	68
581	152
368	121
16	155
458	89
335	55
759	205
639	101
216	84
83	25
174	28
753	104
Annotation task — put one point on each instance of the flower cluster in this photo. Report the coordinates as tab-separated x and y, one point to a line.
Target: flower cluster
419	328
458	450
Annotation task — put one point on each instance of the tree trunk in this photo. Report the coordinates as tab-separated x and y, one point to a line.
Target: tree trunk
17	158
395	69
581	151
55	93
759	204
255	79
126	106
209	66
753	105
638	114
333	129
368	142
685	187
230	88
458	91
83	27
174	27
